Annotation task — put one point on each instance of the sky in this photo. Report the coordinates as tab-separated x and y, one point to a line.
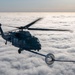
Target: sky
37	5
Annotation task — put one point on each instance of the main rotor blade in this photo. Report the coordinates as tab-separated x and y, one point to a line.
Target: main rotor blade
25	27
49	29
8	26
28	25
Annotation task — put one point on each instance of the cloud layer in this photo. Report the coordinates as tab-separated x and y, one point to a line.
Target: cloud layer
61	44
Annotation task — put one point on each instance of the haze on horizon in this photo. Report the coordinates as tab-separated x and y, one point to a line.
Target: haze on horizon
37	5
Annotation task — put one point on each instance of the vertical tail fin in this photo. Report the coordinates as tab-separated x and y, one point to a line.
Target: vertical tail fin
2	34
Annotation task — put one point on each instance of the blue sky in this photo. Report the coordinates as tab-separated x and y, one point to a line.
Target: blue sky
37	5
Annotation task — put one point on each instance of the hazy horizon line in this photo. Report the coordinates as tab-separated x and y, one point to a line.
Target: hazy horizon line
40	11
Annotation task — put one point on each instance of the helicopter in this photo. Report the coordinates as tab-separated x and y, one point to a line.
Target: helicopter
24	40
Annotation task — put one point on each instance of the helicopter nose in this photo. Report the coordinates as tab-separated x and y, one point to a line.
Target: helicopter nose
39	46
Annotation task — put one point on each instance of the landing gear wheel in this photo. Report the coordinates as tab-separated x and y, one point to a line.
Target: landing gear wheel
38	50
49	59
6	43
19	51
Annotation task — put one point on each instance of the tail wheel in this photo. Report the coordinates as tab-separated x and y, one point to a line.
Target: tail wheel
49	59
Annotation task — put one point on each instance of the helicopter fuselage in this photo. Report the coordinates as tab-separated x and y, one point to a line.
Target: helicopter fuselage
23	40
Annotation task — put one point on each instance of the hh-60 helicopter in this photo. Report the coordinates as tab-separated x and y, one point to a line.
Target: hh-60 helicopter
25	41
